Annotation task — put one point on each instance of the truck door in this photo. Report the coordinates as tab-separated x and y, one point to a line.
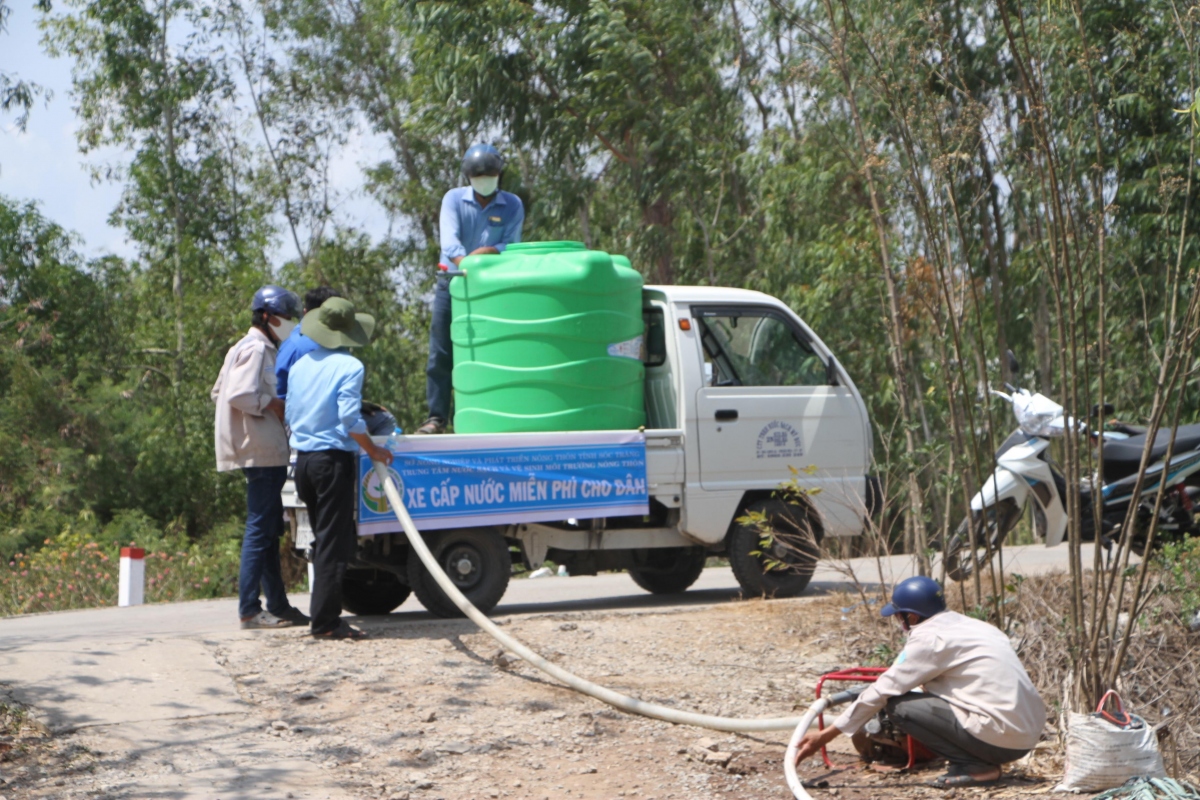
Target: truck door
772	401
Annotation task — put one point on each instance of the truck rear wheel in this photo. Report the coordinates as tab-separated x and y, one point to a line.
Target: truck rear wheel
778	558
370	592
670	570
476	559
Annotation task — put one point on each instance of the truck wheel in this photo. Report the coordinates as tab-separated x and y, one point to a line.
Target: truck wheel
476	559
368	592
670	570
784	567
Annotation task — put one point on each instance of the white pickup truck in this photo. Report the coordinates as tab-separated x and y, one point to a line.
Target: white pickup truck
739	391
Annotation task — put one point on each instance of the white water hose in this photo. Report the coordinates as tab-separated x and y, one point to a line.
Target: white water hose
814	711
622	701
789	758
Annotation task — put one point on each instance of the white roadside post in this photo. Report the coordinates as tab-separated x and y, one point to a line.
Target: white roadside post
132	586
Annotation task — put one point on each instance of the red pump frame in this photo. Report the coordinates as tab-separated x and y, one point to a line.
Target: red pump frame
857	675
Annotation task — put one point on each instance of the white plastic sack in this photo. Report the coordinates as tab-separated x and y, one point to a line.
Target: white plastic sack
1101	755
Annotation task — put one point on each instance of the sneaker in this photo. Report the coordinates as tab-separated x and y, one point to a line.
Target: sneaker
433	425
265	619
294	616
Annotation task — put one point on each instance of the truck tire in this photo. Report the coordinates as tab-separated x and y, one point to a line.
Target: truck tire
670	570
751	565
371	592
476	559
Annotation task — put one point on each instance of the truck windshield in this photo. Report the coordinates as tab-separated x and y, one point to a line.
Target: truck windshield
756	347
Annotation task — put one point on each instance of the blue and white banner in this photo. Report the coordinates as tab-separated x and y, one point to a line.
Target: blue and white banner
463	480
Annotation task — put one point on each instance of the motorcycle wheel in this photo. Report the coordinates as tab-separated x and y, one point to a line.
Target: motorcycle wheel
1183	527
964	555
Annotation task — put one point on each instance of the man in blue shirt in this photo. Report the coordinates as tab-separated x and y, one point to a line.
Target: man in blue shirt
297	345
479	219
323	411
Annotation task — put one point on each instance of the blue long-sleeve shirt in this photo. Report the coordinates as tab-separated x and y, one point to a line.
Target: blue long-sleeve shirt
465	225
324	401
293	348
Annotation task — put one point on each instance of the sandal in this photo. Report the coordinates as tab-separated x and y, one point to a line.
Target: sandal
343	631
433	425
957	780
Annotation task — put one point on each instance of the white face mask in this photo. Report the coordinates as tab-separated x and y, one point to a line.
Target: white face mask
283	327
485	185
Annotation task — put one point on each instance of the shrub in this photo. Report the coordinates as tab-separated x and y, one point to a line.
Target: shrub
78	567
1180	566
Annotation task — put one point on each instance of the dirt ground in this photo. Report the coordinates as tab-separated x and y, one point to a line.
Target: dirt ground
433	709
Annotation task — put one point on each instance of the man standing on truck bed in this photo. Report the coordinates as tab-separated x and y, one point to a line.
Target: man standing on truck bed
250	436
479	219
324	413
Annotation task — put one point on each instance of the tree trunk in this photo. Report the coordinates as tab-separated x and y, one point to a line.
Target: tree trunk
585	220
915	536
168	104
1041	338
660	217
994	241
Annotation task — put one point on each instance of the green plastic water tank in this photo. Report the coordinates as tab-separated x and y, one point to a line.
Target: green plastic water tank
547	337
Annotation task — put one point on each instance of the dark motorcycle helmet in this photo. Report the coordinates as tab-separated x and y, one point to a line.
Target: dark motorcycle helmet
276	300
920	595
482	159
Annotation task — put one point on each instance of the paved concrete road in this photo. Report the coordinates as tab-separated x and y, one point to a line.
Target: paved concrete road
147	682
544	595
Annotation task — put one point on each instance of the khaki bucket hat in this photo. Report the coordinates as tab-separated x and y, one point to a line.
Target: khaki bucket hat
335	325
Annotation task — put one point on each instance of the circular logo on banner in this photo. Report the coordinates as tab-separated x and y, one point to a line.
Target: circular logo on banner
373	496
779	440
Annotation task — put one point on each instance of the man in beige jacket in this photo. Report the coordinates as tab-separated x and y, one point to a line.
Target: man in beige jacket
958	688
250	436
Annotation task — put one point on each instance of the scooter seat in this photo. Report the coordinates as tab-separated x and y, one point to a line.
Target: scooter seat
1122	458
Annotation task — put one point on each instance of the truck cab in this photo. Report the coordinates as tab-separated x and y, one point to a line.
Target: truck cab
741	396
755	392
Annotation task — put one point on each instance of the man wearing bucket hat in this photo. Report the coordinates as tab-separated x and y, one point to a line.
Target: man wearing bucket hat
978	708
479	219
323	411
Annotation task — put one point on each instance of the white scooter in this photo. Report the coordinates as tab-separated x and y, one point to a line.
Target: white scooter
1025	474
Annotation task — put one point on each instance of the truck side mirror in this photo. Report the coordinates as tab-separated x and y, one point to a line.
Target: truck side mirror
831	373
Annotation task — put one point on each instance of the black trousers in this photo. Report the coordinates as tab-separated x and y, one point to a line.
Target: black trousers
930	720
327	483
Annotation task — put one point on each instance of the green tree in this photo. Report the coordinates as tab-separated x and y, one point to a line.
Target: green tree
150	80
369	275
17	95
59	343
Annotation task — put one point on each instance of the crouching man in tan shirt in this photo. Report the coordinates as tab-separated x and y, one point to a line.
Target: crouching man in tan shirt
958	688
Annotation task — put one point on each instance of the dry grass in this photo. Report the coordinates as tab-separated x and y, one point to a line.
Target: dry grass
1159	681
